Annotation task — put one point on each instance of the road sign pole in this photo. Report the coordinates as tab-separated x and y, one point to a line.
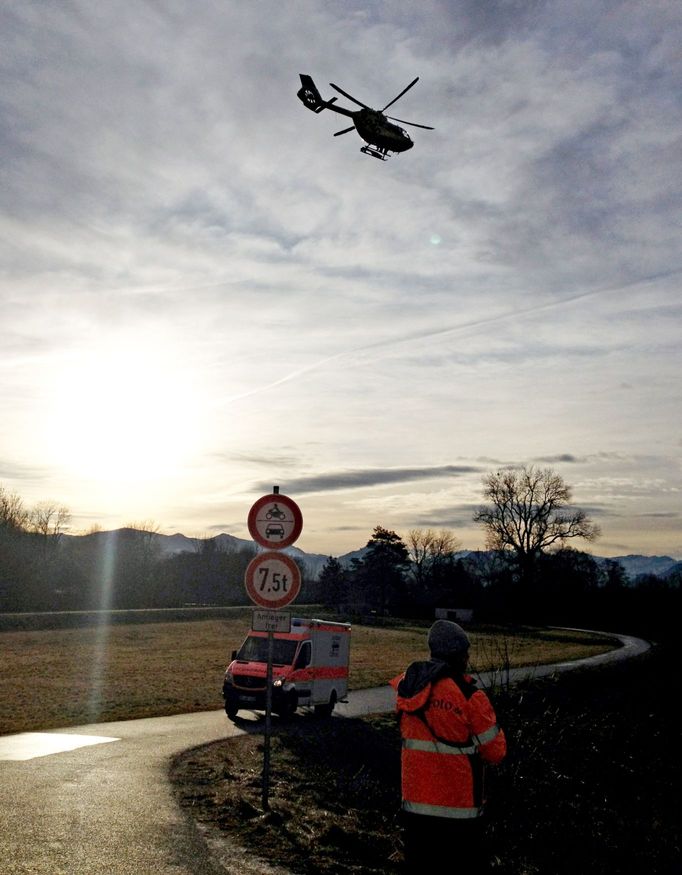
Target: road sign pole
272	581
268	726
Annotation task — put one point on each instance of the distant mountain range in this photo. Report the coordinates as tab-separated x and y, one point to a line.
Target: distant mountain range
634	565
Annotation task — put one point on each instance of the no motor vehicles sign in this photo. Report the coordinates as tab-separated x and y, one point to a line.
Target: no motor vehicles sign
275	521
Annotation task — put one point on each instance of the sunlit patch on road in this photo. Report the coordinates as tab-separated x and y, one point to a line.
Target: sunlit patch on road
29	745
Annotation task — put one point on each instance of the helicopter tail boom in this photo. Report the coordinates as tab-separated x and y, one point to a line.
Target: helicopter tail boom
311	98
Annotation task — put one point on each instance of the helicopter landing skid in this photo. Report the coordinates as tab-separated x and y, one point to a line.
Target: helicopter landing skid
375	153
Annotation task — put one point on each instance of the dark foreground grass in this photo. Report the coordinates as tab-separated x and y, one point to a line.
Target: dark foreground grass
590	785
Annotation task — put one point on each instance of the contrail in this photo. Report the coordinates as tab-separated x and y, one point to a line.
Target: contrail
460	328
510	314
294	374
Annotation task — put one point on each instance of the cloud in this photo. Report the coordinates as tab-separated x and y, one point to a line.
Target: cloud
277	460
664	515
598	510
17	471
360	479
452	517
560	457
225	527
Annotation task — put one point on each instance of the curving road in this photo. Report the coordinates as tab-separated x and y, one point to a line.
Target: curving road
96	799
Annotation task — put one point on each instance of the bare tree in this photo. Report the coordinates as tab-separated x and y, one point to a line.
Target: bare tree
529	512
147	527
138	552
143	538
13	515
49	519
428	550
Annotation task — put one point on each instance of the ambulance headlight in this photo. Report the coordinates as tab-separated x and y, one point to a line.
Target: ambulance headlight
228	677
279	682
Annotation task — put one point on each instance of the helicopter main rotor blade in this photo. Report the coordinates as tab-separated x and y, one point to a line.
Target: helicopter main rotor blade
345	94
413	82
344	131
411	124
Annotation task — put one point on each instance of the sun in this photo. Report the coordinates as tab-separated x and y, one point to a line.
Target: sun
125	411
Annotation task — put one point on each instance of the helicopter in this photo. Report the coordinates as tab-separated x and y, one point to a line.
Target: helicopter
382	138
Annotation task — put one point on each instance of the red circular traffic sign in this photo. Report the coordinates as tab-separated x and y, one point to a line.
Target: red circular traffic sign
272	580
275	521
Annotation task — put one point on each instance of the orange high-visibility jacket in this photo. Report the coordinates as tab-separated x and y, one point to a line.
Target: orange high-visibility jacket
449	730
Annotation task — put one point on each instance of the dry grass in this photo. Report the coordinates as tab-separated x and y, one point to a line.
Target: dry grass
378	654
66	677
328	813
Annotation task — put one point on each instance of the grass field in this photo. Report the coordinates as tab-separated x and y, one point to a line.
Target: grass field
70	676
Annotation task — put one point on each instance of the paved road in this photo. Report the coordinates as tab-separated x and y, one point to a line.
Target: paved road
383	698
106	806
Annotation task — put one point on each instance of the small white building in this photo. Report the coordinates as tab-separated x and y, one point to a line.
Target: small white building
457	615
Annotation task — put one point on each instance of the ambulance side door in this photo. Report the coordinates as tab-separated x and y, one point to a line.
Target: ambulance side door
302	675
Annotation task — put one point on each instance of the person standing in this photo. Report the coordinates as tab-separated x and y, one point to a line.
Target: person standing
449	732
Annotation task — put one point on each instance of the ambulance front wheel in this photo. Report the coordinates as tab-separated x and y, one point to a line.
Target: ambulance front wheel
231	710
289	705
326	710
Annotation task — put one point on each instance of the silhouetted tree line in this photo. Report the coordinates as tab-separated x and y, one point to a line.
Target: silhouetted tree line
567	588
529	575
41	569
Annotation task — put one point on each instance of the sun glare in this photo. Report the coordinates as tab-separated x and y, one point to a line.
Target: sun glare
123	413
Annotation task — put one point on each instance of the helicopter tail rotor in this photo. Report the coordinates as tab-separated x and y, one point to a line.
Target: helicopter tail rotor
310	96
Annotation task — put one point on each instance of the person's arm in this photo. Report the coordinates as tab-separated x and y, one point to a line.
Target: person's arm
492	745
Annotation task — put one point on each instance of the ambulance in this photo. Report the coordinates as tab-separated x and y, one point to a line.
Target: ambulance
309	668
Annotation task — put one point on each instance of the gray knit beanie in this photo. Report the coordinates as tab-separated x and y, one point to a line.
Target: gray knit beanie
447	639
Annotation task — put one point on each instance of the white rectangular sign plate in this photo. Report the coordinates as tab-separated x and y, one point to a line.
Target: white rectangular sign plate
271	621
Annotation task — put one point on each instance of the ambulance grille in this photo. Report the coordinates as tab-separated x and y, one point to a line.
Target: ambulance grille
247	682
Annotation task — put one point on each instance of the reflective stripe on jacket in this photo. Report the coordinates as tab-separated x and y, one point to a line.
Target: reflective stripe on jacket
449	731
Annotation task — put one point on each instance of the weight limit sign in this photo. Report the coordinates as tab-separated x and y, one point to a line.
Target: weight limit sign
272	580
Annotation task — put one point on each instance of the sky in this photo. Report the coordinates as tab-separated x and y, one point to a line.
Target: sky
205	294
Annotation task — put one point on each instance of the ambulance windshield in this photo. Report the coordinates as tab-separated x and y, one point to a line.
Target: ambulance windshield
256	650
